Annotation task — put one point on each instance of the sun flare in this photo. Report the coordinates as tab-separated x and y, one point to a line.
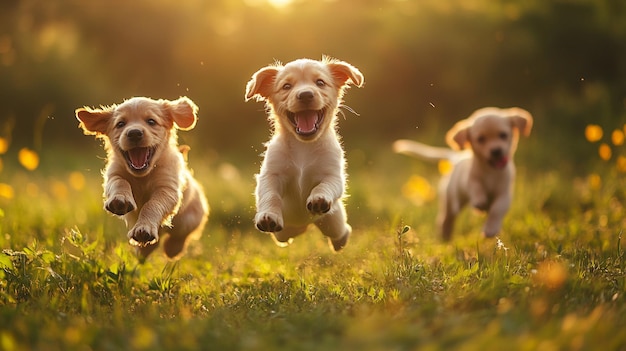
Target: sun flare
279	3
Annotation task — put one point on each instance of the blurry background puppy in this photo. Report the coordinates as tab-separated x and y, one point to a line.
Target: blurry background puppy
146	179
483	175
302	178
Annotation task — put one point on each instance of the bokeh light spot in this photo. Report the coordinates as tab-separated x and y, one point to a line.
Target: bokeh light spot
4	145
621	163
617	137
418	190
77	180
28	158
604	151
59	190
6	191
595	182
551	274
593	133
444	167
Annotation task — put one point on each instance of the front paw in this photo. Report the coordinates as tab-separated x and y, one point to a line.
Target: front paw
318	205
120	205
268	222
143	235
490	231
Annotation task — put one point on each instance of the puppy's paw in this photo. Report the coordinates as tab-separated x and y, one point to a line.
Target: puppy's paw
318	205
268	222
120	205
143	235
339	243
490	232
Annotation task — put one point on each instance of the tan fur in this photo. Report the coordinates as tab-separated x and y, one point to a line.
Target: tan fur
302	178
155	194
482	177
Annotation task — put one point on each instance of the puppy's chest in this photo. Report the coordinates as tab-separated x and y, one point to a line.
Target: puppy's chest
145	187
496	182
301	176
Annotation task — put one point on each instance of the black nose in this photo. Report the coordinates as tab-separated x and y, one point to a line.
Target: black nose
305	95
134	134
496	153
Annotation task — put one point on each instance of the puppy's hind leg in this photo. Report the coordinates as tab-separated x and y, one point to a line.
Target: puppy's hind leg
335	227
449	207
187	225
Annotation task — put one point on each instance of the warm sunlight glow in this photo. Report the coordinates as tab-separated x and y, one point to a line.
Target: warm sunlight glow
279	3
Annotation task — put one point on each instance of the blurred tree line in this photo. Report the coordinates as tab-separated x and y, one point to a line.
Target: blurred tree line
427	63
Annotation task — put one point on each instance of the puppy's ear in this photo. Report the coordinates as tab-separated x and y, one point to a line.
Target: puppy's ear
521	119
260	86
94	121
183	111
458	136
344	73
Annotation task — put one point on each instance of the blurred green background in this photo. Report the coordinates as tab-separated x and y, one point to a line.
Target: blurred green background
426	63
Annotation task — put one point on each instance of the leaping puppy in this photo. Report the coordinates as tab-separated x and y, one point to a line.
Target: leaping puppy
302	178
482	177
146	179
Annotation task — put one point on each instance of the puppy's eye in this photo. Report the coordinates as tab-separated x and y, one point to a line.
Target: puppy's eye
287	86
503	136
120	124
481	139
320	83
151	122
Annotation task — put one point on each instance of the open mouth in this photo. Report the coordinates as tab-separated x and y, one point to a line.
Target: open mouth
139	158
306	122
499	162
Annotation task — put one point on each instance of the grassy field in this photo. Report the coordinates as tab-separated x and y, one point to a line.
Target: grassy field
554	280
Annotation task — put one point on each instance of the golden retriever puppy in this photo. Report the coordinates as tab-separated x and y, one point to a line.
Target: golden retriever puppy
146	179
482	176
302	178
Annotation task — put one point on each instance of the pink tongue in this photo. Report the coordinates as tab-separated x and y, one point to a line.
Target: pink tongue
501	163
138	157
305	121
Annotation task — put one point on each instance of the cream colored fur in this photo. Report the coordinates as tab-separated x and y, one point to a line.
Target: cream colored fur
302	179
146	179
483	176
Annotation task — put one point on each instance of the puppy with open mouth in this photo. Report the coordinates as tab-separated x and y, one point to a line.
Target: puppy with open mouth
302	178
483	171
146	178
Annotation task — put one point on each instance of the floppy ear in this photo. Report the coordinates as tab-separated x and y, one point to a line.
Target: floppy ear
94	121
260	86
183	111
521	119
458	136
344	73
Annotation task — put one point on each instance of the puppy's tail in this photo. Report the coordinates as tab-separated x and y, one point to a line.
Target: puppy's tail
423	151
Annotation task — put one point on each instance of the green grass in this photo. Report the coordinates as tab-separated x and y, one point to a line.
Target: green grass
555	280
